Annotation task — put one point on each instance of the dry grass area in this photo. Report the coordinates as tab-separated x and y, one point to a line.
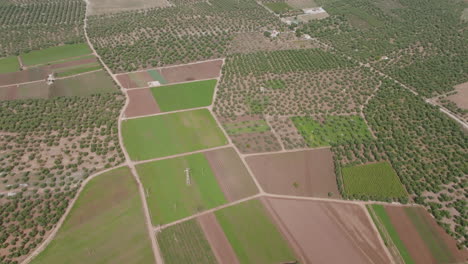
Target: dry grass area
98	7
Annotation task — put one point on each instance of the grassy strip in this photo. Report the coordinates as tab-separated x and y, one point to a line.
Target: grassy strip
105	225
9	64
184	95
278	7
384	219
185	243
79	70
251	126
169	197
253	236
55	53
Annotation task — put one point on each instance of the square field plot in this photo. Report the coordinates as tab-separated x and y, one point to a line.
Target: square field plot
184	95
164	135
55	53
172	193
373	180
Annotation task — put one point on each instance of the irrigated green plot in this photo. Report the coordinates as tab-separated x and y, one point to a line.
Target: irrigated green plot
105	225
164	135
333	130
55	53
85	84
185	243
250	126
382	220
9	64
373	180
253	236
171	195
278	7
77	69
184	95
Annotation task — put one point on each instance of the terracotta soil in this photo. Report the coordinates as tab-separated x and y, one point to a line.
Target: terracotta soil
219	244
328	232
192	72
141	102
125	81
256	142
461	97
231	174
9	92
28	75
302	173
415	244
73	63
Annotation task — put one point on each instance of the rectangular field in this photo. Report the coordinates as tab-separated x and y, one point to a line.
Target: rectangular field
141	102
278	7
248	126
106	224
332	130
184	95
9	64
253	236
85	84
164	135
373	180
185	243
301	173
170	197
54	54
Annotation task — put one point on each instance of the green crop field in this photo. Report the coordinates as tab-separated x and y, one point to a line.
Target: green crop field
54	54
251	126
164	135
184	95
275	84
384	219
77	69
333	130
169	196
105	225
82	85
253	236
185	243
9	64
373	180
279	7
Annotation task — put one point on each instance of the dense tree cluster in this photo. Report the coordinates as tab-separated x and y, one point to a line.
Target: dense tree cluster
178	34
35	25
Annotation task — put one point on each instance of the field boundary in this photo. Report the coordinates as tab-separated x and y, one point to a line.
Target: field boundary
172	66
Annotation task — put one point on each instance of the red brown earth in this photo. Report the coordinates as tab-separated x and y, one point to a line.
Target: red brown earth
192	72
412	240
125	81
9	92
141	102
256	142
221	247
328	232
28	75
301	173
461	97
231	174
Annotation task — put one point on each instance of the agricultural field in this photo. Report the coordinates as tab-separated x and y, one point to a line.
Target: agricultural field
188	31
302	173
97	82
372	180
141	102
33	25
105	223
185	243
279	7
457	101
34	90
245	127
163	135
171	196
57	53
416	235
260	245
332	130
97	7
172	74
427	156
184	95
316	229
9	64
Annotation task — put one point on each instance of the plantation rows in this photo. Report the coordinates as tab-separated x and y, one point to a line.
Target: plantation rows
58	142
427	149
27	219
177	34
422	39
36	25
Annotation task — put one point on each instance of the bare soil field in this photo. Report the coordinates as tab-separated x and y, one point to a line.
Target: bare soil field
97	7
256	142
33	90
8	92
327	232
231	174
28	75
461	97
299	4
141	102
192	72
72	63
125	81
221	247
417	244
302	173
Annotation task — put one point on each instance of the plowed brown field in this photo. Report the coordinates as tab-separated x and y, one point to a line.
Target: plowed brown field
302	173
192	72
141	102
218	241
328	232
